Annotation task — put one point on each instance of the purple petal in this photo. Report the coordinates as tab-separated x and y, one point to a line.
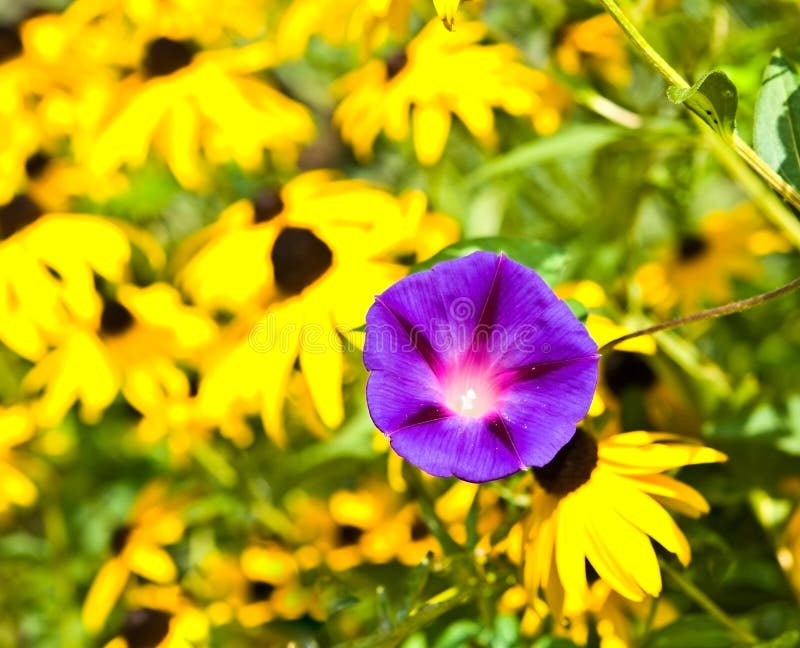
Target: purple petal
407	316
396	401
392	345
551	335
471	449
541	413
465	286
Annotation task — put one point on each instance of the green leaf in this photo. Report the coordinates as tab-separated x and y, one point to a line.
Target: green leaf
788	639
713	98
776	134
546	259
458	634
573	142
696	630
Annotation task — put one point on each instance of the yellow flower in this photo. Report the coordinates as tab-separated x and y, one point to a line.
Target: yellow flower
595	45
154	521
367	525
130	344
440	75
162	617
47	268
339	22
259	587
700	268
16	427
300	269
603	502
196	102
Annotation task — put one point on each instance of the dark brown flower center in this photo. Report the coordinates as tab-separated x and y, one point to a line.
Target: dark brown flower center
419	530
120	538
571	467
623	370
691	247
10	42
299	258
395	63
261	590
115	319
36	164
347	535
266	206
18	213
145	628
165	56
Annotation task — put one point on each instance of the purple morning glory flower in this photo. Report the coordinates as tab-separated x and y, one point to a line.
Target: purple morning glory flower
478	369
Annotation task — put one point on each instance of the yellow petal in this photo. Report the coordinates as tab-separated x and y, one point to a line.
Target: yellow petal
15	486
150	561
104	592
181	134
647	515
570	551
639	452
431	126
621	554
322	364
673	493
447	11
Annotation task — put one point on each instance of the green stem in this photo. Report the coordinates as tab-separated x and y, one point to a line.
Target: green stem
713	610
672	77
711	313
645	49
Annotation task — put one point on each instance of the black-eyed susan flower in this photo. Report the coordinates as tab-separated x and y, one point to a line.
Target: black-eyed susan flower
340	22
477	369
299	269
161	616
16	488
48	264
701	266
437	76
138	548
369	524
603	502
196	103
130	344
596	45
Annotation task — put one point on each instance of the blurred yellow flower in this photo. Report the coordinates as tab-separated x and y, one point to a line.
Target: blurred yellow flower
368	525
130	344
193	95
367	23
437	76
595	45
16	427
154	520
47	268
300	269
162	616
726	245
602	502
